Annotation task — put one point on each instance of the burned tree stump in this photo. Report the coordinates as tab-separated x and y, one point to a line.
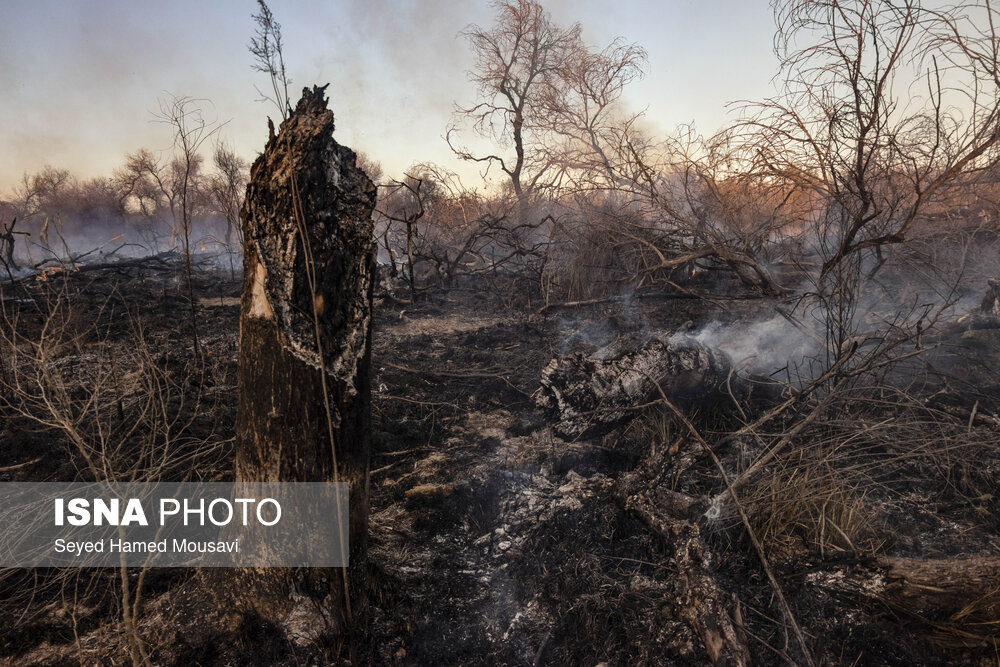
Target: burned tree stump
305	348
589	395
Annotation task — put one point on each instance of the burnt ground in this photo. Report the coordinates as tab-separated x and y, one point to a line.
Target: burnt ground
507	545
494	542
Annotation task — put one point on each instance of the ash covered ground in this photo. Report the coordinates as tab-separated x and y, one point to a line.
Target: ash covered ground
492	541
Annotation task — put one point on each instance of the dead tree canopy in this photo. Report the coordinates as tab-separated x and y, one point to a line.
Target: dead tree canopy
305	340
589	395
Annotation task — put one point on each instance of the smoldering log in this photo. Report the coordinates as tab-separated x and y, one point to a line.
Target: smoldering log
589	395
305	348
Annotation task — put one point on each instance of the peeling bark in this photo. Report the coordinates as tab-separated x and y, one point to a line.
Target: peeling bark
305	348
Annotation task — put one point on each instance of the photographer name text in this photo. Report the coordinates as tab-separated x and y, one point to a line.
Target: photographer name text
164	546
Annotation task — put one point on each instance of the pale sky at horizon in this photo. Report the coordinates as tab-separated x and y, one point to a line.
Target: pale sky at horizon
81	81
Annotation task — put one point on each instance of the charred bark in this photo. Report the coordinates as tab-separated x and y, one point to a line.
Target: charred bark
589	395
304	352
954	601
702	601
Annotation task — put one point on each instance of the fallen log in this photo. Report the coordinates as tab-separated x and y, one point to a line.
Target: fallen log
589	395
956	599
164	262
942	585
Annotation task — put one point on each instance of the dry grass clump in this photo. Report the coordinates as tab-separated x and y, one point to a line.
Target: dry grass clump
977	624
808	501
111	404
847	480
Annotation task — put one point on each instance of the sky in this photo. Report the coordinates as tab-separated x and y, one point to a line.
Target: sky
80	81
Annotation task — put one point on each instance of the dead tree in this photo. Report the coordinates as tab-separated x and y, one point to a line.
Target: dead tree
305	350
191	131
7	238
516	59
397	203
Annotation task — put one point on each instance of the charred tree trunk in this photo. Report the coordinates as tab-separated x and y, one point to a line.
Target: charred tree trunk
304	352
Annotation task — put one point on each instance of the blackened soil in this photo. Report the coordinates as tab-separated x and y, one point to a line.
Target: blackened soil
492	542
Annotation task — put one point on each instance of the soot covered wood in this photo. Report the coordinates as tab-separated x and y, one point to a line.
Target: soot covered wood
305	349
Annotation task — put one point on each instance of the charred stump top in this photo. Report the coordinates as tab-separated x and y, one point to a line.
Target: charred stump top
307	183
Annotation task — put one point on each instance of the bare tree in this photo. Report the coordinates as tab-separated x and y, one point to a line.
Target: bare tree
403	204
583	114
371	166
228	187
43	193
145	185
885	107
121	415
515	61
191	130
44	197
96	199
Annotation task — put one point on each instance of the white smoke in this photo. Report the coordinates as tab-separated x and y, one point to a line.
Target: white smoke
764	346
